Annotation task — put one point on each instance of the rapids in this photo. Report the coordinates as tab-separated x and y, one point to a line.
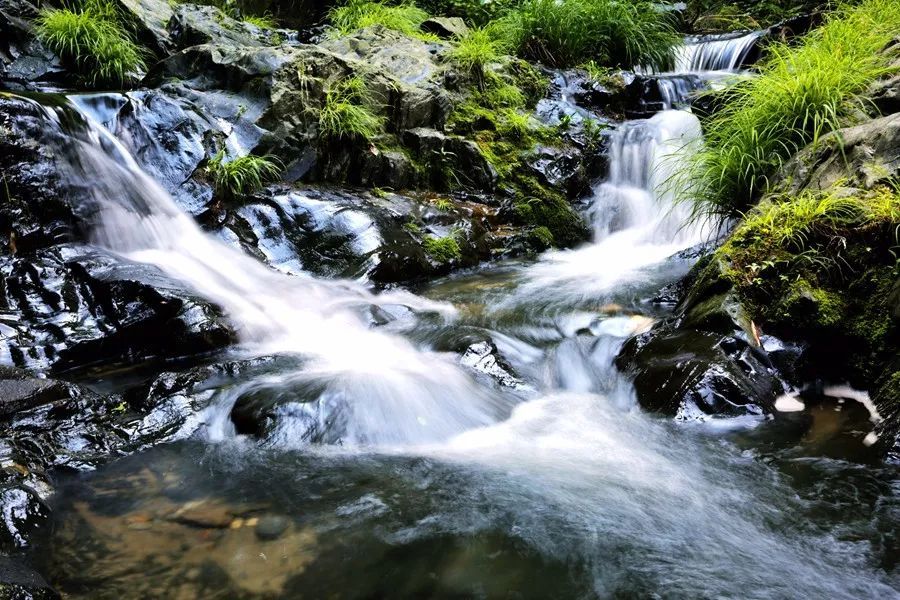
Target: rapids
406	472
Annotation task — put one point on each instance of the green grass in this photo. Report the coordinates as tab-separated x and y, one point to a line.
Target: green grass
243	175
406	18
93	39
611	32
266	21
475	51
801	93
345	113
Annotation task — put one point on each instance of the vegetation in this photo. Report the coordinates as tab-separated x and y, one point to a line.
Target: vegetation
406	18
94	40
243	175
823	264
476	12
345	114
730	15
266	21
442	250
801	93
569	33
475	51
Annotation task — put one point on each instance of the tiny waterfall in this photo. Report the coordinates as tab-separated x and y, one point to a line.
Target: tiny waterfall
380	388
706	53
635	218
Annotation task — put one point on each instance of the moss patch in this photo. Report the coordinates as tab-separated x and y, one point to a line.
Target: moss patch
442	250
821	268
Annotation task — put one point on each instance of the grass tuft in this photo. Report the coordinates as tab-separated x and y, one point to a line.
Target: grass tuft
476	50
266	21
801	93
93	39
610	32
243	175
406	18
345	114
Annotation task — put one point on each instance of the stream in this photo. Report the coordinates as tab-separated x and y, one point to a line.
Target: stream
470	437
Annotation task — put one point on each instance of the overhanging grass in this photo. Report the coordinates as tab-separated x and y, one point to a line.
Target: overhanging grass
476	50
801	93
570	32
93	39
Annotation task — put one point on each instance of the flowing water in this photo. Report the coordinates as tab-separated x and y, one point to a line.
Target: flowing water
523	468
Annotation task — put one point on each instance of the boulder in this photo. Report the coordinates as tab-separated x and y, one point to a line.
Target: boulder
446	27
150	19
25	63
862	156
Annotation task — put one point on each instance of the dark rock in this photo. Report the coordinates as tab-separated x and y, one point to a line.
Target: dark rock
446	27
25	518
20	582
440	152
688	374
25	63
271	527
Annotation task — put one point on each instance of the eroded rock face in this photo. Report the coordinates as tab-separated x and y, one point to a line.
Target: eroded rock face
863	156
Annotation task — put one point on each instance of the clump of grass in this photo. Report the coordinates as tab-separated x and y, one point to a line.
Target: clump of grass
266	21
345	113
476	50
801	93
611	32
406	18
243	175
442	250
93	39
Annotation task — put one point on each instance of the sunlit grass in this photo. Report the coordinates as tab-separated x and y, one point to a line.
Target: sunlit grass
801	93
93	39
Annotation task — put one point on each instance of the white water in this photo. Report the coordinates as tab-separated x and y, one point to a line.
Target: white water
635	219
704	54
389	391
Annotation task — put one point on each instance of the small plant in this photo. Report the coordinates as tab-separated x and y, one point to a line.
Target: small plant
93	39
474	52
345	115
243	175
443	204
442	250
514	125
266	21
406	18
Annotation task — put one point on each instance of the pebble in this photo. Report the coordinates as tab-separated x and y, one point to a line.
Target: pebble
271	527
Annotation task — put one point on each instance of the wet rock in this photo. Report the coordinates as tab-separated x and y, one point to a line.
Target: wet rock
689	374
484	358
25	63
20	582
204	514
193	25
150	19
19	391
24	518
271	527
446	27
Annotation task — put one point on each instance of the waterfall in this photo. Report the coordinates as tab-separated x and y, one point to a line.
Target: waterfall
380	388
634	214
714	53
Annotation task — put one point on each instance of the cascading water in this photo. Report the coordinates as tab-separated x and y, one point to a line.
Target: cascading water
387	391
701	54
450	487
702	61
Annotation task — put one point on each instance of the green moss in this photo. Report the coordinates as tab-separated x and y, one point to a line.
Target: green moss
442	250
812	306
542	236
